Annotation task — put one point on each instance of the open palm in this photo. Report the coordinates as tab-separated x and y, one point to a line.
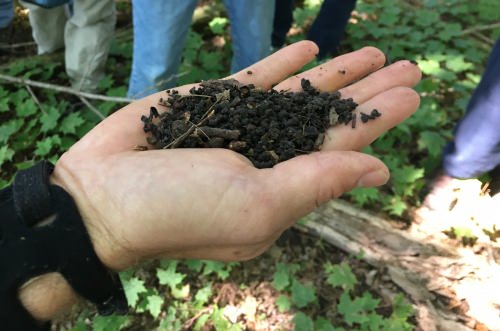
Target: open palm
212	203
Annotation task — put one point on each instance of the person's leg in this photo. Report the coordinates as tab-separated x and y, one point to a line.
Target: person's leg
6	12
329	26
88	35
476	147
47	26
160	31
283	19
251	29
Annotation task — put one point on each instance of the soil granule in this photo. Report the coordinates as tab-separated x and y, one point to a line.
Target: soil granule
265	126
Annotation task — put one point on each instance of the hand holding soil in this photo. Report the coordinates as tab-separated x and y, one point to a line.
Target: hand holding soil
213	203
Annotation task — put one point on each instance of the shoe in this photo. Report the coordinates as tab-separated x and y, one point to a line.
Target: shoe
446	192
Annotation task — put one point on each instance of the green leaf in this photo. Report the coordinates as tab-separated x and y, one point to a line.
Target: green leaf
429	67
401	309
303	322
71	122
404	178
109	323
433	142
195	265
4	105
281	277
9	128
6	154
106	83
363	195
49	119
169	276
43	147
210	61
396	206
322	324
201	321
27	108
133	288
218	24
357	310
203	294
155	302
457	64
24	164
449	31
302	295
220	268
283	303
340	275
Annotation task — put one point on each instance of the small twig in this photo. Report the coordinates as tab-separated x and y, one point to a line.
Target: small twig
221	133
188	132
35	99
480	28
63	89
92	108
19	45
483	38
194	95
189	323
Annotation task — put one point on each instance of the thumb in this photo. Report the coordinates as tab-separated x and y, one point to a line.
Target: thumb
301	184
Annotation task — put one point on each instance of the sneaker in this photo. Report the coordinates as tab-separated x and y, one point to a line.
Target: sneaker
445	192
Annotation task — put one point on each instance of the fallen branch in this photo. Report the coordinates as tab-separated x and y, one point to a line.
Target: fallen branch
92	108
63	89
480	28
19	45
437	277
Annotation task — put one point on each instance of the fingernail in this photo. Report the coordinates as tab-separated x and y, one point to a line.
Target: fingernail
374	178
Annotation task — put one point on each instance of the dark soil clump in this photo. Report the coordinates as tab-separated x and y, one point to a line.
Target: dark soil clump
266	126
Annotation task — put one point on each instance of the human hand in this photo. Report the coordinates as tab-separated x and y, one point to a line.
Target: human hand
212	203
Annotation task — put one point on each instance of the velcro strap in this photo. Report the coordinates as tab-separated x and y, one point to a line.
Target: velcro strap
63	245
31	193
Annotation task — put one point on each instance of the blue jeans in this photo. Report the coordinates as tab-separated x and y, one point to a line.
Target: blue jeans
476	147
6	12
160	31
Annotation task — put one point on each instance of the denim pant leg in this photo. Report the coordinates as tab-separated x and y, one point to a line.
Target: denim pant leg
160	31
329	26
6	12
251	29
88	35
476	148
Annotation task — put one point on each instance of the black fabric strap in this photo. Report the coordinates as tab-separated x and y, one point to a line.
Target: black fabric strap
62	245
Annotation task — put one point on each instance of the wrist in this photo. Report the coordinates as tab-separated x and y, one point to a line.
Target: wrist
109	251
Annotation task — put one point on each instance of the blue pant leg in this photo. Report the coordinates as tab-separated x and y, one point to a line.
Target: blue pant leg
6	12
160	31
329	26
283	19
476	148
251	29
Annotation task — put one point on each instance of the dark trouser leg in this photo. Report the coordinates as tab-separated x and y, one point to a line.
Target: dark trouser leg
283	18
329	27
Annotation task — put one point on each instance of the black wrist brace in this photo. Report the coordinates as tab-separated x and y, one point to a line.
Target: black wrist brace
29	249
